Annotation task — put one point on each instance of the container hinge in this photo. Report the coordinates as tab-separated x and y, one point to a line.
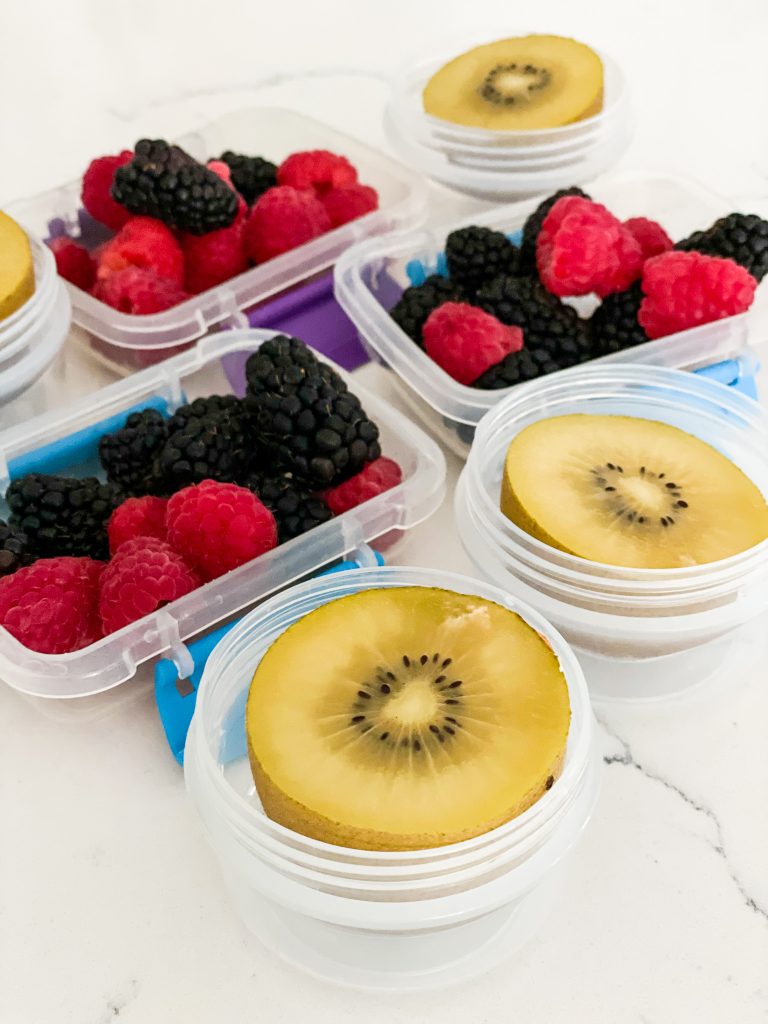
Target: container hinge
177	651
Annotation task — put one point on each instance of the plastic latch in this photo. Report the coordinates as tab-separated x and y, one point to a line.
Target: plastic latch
178	675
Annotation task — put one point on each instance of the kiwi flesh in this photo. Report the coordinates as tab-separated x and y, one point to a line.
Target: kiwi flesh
405	718
17	274
629	491
517	84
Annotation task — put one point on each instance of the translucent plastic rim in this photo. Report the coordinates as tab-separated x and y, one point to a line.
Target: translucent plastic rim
23	319
257	631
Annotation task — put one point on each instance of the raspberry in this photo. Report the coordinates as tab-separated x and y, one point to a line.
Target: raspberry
583	248
137	517
216	257
349	202
97	190
686	289
52	606
218	527
377	477
465	341
147	244
282	219
650	236
316	169
223	171
532	227
73	262
138	292
143	576
411	310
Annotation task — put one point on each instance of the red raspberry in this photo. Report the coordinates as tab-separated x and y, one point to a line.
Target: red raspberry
686	289
139	292
217	526
583	248
137	517
650	236
316	169
281	219
216	256
143	576
74	262
349	202
96	193
222	169
465	341
52	605
145	243
378	476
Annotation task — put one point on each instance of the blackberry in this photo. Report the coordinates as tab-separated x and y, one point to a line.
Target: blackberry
13	549
412	309
532	227
518	367
251	175
163	181
476	255
127	455
211	446
282	363
547	323
614	325
295	508
61	515
742	237
200	407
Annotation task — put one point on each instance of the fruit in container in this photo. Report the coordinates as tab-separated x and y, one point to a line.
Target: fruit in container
518	84
629	491
17	272
405	718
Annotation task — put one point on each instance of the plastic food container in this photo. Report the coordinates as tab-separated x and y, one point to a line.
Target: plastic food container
370	278
133	342
501	165
31	337
385	920
639	633
68	443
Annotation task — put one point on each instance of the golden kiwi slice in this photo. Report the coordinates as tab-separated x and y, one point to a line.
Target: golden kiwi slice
17	275
629	491
517	84
405	718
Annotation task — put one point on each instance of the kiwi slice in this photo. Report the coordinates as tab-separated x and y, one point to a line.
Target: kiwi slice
629	491
405	718
17	275
523	83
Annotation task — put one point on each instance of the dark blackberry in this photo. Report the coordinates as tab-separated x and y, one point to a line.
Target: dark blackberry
251	175
295	508
532	227
742	237
163	181
14	549
128	454
475	255
200	407
212	446
516	368
282	363
614	325
412	309
61	515
547	323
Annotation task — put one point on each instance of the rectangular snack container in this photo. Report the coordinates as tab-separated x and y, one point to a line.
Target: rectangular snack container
134	342
370	278
68	443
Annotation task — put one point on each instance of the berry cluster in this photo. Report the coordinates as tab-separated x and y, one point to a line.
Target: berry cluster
182	226
503	315
186	499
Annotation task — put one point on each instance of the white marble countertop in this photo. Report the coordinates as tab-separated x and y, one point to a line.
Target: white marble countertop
111	904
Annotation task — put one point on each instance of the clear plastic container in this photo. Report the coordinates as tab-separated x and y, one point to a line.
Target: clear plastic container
370	278
388	920
640	633
68	442
31	337
135	342
501	165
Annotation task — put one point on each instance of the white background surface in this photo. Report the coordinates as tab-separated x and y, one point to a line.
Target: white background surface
111	905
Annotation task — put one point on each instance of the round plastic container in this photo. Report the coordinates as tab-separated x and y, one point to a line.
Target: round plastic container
387	920
501	165
640	633
32	336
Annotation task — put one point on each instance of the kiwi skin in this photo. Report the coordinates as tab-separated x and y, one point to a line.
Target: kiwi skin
295	816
